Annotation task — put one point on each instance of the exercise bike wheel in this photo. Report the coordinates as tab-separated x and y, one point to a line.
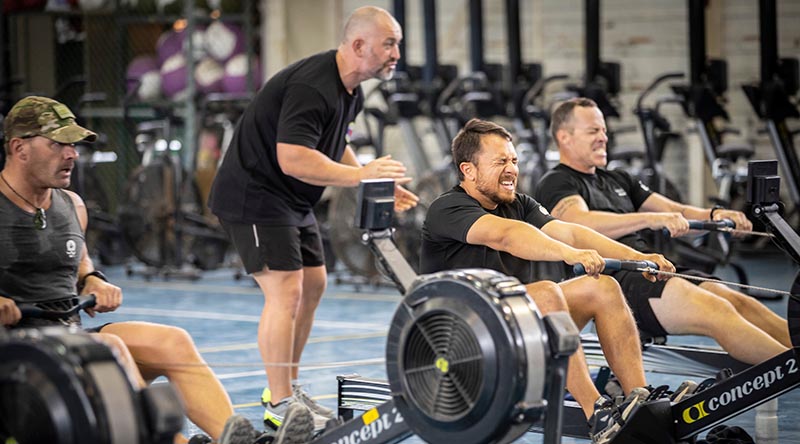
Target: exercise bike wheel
466	351
205	244
148	220
146	213
62	387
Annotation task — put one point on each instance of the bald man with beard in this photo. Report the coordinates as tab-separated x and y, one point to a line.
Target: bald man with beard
290	144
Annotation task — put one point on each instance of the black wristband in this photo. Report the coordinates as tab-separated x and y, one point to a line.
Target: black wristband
96	273
713	209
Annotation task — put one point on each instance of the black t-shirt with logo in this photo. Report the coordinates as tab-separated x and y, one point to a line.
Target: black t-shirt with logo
449	218
613	191
303	104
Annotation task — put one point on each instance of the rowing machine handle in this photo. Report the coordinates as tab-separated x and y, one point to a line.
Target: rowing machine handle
706	225
711	225
616	265
32	311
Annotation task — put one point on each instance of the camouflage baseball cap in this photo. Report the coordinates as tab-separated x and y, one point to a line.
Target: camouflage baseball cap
40	116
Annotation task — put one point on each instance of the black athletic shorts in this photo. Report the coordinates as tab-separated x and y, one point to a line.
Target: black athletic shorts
280	248
97	329
638	291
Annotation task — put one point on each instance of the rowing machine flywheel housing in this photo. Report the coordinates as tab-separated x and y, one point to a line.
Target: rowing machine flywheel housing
60	386
466	358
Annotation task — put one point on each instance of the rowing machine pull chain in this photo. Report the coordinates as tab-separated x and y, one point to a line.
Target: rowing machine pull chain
725	226
745	232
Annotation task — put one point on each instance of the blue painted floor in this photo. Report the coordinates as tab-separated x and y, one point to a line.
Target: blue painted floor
221	313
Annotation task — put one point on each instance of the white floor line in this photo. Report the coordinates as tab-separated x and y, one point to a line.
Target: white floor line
311	340
305	368
240	318
227	289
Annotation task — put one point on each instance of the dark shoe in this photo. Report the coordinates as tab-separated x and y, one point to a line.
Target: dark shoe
297	426
266	437
656	393
200	439
602	417
607	419
238	430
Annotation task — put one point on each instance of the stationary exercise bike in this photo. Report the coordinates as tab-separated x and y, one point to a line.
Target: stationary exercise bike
60	386
161	216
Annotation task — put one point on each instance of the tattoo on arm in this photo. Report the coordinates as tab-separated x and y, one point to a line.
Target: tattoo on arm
564	204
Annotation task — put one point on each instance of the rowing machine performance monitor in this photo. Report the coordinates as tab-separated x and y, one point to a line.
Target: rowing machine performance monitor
763	183
469	357
763	202
375	209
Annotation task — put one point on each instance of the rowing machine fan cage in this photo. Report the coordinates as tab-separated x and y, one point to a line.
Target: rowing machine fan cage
466	354
60	386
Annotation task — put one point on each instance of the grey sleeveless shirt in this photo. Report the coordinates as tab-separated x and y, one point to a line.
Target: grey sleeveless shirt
39	265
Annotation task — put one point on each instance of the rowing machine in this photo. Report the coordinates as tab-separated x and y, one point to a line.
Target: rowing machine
356	393
469	357
661	422
658	356
58	385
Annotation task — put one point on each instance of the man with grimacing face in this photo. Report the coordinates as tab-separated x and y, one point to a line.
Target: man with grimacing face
483	222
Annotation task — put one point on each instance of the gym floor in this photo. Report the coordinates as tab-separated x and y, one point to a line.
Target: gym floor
221	313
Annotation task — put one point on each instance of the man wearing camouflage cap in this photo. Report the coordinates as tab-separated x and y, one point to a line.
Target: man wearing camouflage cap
40	122
45	260
40	116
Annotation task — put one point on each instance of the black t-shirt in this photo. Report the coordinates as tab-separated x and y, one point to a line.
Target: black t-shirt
613	191
303	104
449	218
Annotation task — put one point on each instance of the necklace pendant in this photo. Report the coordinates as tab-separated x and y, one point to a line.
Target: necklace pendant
40	219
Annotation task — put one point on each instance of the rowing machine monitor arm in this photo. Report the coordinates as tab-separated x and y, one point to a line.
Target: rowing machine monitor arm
374	215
